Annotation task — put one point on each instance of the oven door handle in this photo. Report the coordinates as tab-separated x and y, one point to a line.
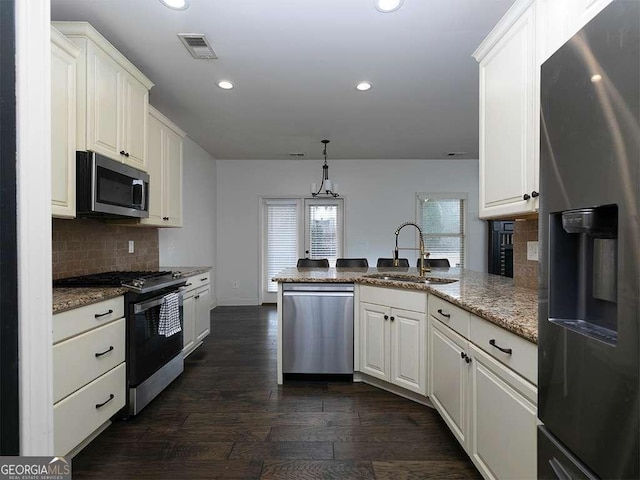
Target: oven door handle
141	307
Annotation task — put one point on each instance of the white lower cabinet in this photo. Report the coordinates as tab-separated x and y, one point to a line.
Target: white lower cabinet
449	374
89	380
392	339
483	396
502	443
196	303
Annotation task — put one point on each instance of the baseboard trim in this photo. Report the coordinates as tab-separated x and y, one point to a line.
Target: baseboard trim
232	302
389	387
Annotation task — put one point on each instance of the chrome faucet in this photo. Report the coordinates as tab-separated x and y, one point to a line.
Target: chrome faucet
423	254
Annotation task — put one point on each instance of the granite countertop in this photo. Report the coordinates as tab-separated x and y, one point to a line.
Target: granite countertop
491	297
69	298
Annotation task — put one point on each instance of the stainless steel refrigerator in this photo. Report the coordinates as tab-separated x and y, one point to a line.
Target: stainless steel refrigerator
589	311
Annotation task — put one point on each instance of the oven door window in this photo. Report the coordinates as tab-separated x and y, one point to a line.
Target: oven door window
149	349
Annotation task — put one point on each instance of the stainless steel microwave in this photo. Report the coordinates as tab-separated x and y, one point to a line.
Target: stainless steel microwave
107	188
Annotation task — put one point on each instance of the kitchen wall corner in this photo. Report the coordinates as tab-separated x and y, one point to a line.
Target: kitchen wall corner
525	272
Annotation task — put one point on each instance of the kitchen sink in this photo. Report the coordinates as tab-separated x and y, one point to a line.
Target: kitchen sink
410	278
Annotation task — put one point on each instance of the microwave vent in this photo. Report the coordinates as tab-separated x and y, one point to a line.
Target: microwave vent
198	46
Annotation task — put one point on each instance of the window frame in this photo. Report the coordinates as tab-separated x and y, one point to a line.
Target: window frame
462	196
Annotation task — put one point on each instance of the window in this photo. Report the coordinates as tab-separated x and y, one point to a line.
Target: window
441	218
323	229
289	233
281	235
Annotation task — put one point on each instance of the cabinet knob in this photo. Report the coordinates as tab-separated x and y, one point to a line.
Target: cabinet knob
462	354
165	218
197	297
467	359
121	152
386	317
126	154
393	318
535	194
526	196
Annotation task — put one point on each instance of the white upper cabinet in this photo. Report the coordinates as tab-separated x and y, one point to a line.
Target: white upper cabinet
509	113
164	142
112	98
510	59
63	125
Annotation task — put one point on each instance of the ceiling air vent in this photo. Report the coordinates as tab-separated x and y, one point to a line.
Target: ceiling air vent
198	46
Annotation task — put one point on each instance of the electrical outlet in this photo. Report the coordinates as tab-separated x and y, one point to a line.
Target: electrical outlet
532	251
131	246
235	285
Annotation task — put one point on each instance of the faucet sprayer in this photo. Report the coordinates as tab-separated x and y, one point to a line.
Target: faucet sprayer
423	254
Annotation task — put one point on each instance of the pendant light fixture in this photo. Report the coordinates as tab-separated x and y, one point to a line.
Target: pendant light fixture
327	187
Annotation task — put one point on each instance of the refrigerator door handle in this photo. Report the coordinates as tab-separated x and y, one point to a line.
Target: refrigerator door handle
559	469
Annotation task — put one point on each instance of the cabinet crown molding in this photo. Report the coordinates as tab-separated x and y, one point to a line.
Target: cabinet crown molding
64	43
509	18
86	30
158	115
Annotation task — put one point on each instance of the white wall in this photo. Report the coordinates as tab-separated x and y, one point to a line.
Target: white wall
195	243
379	195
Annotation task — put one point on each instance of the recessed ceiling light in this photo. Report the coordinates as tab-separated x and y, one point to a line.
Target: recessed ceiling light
364	86
596	78
225	85
176	4
387	6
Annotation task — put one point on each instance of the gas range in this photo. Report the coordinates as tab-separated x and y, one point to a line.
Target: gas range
136	281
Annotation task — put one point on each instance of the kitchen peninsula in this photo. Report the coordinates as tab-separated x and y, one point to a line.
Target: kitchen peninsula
466	347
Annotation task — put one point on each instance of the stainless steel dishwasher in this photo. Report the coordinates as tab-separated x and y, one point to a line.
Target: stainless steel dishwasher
317	328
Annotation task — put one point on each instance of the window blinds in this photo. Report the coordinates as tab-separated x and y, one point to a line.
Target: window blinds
282	239
323	230
442	223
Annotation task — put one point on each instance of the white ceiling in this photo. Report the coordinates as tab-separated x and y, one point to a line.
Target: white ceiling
295	64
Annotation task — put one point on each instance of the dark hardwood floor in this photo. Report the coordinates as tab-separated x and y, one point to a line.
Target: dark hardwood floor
226	417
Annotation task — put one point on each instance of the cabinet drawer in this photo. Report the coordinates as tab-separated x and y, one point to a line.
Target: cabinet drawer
453	317
79	320
395	298
75	362
80	414
196	281
523	357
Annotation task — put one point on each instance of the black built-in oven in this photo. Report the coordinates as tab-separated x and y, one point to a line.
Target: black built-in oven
153	359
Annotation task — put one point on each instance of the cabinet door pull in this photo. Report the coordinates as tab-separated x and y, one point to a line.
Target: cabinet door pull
526	196
98	315
203	279
197	297
126	154
121	152
111	397
535	194
492	342
110	349
165	218
386	317
188	284
467	359
462	355
443	314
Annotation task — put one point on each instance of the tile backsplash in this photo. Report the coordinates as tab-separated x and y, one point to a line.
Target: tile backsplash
84	246
525	272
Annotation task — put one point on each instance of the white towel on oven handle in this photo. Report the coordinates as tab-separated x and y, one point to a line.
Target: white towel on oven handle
169	323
